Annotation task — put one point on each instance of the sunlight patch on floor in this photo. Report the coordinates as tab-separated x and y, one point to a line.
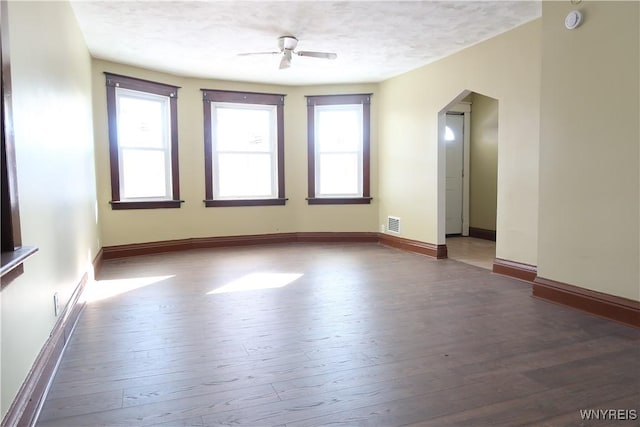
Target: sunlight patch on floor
103	289
256	281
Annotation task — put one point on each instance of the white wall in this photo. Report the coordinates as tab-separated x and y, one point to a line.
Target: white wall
589	148
51	71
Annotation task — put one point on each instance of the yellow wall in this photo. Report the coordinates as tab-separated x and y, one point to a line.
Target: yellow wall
506	68
51	71
483	168
589	148
193	219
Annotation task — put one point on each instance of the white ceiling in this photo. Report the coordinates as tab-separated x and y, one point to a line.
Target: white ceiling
374	40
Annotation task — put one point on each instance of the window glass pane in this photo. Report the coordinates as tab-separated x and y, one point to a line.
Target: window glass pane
339	129
142	121
243	129
448	134
339	174
244	175
143	174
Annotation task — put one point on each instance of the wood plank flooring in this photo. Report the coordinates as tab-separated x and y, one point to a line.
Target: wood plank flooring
471	250
367	335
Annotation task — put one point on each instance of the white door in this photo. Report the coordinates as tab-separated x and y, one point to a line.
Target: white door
455	142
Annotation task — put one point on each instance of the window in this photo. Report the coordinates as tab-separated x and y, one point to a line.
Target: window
244	148
143	143
338	149
13	253
448	134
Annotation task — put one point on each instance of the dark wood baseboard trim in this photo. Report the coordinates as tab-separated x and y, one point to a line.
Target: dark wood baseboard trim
481	233
603	305
429	249
97	262
229	241
26	406
135	249
516	270
329	237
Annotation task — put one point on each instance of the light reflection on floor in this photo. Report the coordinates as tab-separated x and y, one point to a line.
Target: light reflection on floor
103	289
256	281
470	250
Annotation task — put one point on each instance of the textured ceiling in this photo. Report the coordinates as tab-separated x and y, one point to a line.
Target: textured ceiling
374	40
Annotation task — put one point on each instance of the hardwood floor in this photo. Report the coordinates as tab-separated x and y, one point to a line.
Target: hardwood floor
367	335
471	250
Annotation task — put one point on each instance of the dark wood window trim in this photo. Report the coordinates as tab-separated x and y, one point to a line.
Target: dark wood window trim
212	95
146	204
114	81
244	202
13	254
339	200
312	101
13	263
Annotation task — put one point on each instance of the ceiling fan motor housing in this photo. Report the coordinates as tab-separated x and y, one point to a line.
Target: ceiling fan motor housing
287	42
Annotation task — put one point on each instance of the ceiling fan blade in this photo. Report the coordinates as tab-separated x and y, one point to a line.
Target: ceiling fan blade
326	55
286	60
258	53
285	63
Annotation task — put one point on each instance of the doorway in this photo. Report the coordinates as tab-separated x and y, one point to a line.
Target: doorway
457	125
454	139
468	148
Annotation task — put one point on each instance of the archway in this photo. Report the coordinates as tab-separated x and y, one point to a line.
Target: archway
467	178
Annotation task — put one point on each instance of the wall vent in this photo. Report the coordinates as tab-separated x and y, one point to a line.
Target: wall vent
393	224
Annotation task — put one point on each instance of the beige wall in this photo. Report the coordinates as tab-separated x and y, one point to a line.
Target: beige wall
193	219
51	71
589	148
507	68
483	164
571	128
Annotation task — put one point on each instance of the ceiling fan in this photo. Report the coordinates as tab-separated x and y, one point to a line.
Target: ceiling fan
287	45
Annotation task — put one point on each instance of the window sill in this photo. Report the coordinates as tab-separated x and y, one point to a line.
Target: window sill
339	200
12	263
244	202
151	204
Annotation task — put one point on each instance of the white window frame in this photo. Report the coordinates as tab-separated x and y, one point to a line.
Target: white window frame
273	149
319	151
165	148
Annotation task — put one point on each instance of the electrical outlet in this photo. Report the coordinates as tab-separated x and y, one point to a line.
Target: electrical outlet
382	228
56	304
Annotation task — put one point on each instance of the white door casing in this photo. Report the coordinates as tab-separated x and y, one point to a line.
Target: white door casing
459	106
454	172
